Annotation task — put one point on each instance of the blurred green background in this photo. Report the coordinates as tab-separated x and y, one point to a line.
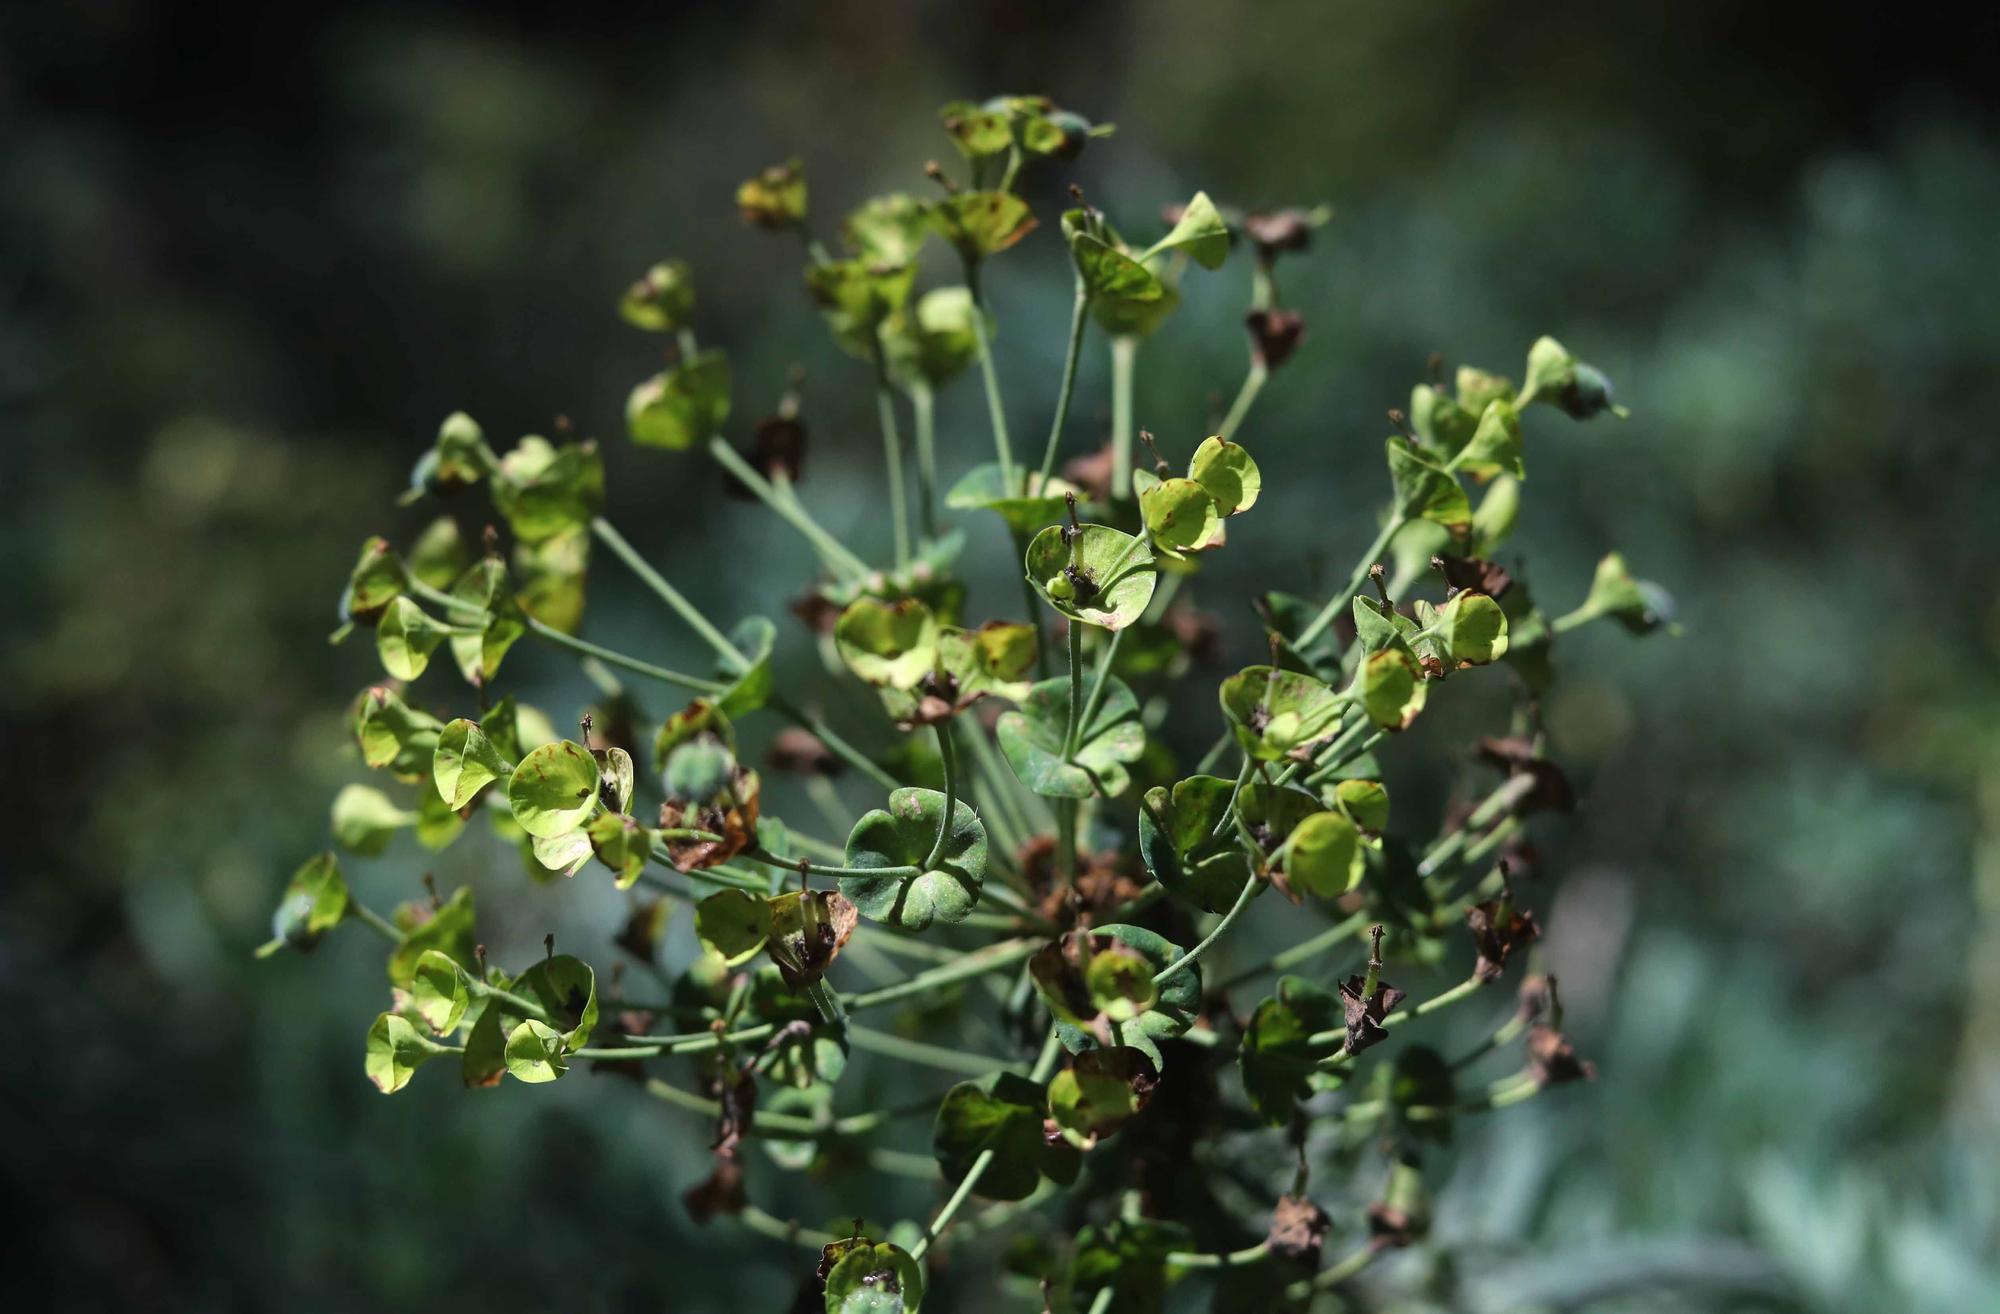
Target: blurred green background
250	260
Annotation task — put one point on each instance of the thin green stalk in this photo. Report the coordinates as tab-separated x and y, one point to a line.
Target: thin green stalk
1328	1278
1253	383
831	551
1302	952
994	406
1044	1066
892	455
1251	889
1068	386
1034	609
1124	353
375	921
786	1230
993	958
1073	724
845	751
1340	601
931	1056
949	759
550	634
923	406
1100	681
525	1007
1101	1304
668	594
1256	1254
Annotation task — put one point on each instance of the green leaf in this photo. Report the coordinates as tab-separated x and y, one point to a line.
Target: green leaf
1444	426
1558	378
680	407
1376	627
1423	490
551	574
1278	1064
887	230
621	844
1200	232
479	654
889	644
438	827
1276	714
1032	740
465	762
1365	802
662	301
438	992
565	853
1181	516
535	1052
393	735
902	837
1179	842
1126	298
980	224
314	901
981	488
776	197
376	581
1102	1090
1495	447
1494	519
1325	857
566	988
447	929
545	490
1105	578
1227	472
874	1279
554	789
1638	605
1473	629
977	130
993	659
364	819
1063	986
1273	812
1391	689
1128	1256
405	637
933	341
485	1059
733	924
1002	1113
396	1049
749	687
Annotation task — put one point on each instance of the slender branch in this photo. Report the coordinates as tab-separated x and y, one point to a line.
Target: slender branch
830	549
1044	1065
1251	889
892	455
1075	349
949	759
932	1056
1253	383
923	406
1340	601
375	921
1124	353
638	565
995	408
610	657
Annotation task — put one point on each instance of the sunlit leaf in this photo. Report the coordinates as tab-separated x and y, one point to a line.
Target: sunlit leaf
554	789
904	837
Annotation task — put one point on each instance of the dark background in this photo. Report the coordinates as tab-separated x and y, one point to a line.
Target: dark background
251	258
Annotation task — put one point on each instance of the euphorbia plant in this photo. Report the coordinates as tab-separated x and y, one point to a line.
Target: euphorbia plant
1028	829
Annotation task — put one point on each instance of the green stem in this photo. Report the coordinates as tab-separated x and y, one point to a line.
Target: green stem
1100	681
1253	383
525	1007
930	1056
1072	726
845	751
949	758
1068	386
1124	352
994	407
668	594
1044	1066
1302	952
375	921
1256	1254
923	405
1101	1304
1251	889
550	634
993	958
1339	602
892	454
831	551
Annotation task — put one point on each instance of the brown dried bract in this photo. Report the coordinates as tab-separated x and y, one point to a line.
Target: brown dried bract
721	1192
1516	756
1390	1228
1275	335
1364	1015
733	820
1298	1230
818	612
1499	928
1477	574
1275	231
801	752
1091	472
1552	1060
